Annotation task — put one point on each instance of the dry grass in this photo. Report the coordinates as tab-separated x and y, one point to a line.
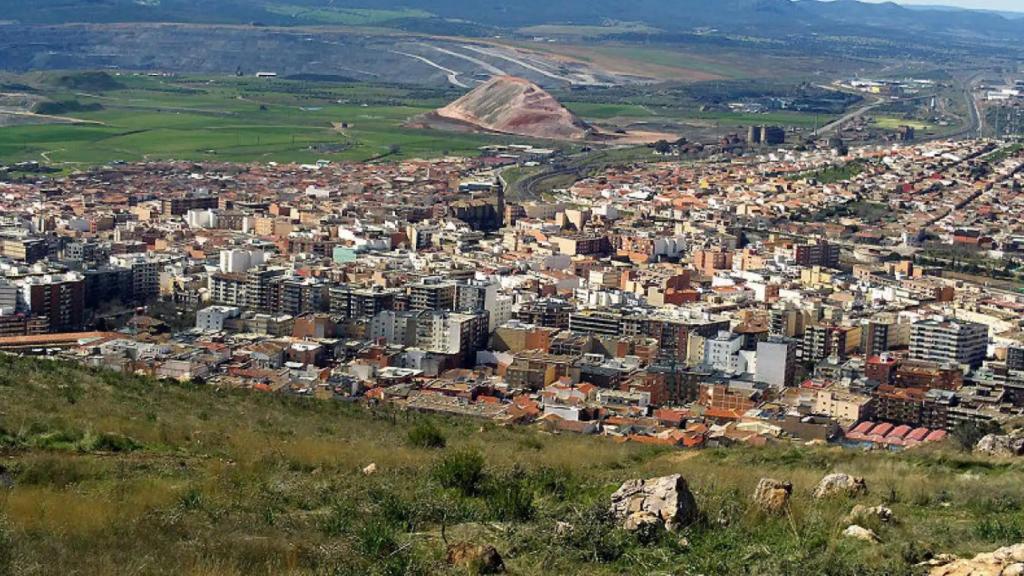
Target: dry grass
236	483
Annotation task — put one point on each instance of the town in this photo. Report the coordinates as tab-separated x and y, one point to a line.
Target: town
862	296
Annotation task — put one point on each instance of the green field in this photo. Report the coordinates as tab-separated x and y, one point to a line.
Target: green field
237	119
343	16
99	119
582	31
105	473
892	123
605	111
600	111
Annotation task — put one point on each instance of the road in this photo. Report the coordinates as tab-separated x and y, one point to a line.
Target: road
491	69
519	62
453	76
846	118
977	126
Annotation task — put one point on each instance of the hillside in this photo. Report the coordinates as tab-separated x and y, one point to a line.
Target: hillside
110	474
513	105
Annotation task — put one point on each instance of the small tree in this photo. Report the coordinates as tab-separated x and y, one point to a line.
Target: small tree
967	434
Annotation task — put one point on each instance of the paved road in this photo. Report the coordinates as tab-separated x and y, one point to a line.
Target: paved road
453	76
846	118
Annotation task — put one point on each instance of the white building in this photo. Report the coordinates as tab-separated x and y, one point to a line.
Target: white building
239	261
723	353
211	319
776	361
201	218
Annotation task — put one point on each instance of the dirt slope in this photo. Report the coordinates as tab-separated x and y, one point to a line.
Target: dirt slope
516	106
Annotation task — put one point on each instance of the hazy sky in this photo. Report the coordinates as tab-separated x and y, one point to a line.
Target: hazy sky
1014	5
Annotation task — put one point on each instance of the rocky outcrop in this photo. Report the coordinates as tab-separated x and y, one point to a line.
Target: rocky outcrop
861	533
475	558
1001	445
840	485
665	501
516	106
1008	561
772	496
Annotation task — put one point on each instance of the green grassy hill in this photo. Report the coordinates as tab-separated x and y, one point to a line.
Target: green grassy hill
110	474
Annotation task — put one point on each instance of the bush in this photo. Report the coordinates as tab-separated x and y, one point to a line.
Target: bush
462	470
999	530
393	508
968	434
595	534
57	440
48	470
554	482
426	435
510	498
109	442
376	538
338	520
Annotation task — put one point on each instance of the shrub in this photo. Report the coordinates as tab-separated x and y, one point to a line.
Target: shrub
192	499
109	442
48	470
999	530
338	520
510	498
57	440
531	443
393	508
376	538
968	434
595	534
426	435
555	482
462	470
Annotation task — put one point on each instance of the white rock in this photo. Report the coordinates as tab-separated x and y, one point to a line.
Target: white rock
861	533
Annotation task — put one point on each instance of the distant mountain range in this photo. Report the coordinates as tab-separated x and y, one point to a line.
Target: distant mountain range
763	17
943	8
664	20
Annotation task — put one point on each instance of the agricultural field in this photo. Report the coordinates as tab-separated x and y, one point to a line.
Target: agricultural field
232	119
85	119
687	116
106	473
892	123
343	16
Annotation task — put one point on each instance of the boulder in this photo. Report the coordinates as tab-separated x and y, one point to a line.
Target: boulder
668	499
772	496
840	485
862	513
475	558
641	520
1008	561
861	533
1000	445
938	560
